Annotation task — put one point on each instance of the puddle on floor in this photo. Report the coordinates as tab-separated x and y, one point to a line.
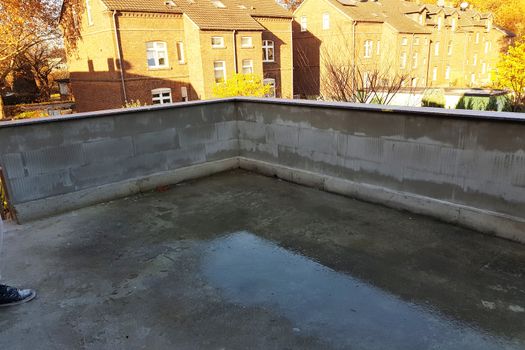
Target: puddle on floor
334	307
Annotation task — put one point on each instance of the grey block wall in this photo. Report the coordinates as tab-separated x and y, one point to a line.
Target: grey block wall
48	159
461	159
463	166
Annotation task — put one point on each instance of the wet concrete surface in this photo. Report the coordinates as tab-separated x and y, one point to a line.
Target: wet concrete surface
240	261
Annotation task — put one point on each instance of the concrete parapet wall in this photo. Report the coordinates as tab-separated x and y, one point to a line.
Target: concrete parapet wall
56	165
460	166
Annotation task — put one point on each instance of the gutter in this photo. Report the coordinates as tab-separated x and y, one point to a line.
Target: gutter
117	41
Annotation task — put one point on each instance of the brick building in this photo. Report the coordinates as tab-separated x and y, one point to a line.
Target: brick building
166	51
431	45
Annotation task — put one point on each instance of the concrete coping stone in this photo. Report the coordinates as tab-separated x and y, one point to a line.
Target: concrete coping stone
417	111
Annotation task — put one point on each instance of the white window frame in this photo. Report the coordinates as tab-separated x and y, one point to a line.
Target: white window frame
271	82
404	41
403	60
454	24
475	59
161	99
304	24
267	45
436	48
369	48
216	69
434	73
326	21
484	68
247	45
415	60
88	12
219	45
180	52
416	41
477	38
447	73
378	47
449	48
247	65
487	44
157	47
440	23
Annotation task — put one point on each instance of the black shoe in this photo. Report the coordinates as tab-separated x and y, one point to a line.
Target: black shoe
10	296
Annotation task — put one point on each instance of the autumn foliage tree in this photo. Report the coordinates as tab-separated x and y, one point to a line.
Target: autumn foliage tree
242	85
24	24
510	74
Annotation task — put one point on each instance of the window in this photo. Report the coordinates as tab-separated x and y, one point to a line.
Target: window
184	93
489	25
271	82
404	41
247	66
246	42
403	60
449	48
304	24
369	44
454	24
157	54
421	19
475	59
440	23
378	47
414	82
326	21
487	43
88	11
483	68
180	52
415	59
447	73
268	51
220	71
473	78
217	42
161	96
436	48
434	73
477	38
416	41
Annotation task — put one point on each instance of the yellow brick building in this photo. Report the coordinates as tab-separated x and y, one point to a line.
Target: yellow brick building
430	45
167	51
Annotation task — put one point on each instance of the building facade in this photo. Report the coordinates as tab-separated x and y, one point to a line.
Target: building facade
428	45
160	51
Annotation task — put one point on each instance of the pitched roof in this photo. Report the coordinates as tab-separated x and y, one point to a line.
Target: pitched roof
141	6
391	12
236	14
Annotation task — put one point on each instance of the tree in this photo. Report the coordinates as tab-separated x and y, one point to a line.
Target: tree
23	25
291	5
43	59
510	74
242	85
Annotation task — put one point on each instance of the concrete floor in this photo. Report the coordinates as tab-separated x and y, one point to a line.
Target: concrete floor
240	261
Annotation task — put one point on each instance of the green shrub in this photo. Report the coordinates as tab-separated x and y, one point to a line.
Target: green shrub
434	98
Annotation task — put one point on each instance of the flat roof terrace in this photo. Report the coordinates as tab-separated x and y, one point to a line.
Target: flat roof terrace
154	227
242	261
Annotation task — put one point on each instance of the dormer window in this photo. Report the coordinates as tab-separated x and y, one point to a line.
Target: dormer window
454	24
440	23
218	4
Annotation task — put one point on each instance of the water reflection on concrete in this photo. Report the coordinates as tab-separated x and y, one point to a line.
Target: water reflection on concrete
337	308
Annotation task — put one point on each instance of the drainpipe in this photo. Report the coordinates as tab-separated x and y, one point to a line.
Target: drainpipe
117	40
235	51
354	25
428	60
